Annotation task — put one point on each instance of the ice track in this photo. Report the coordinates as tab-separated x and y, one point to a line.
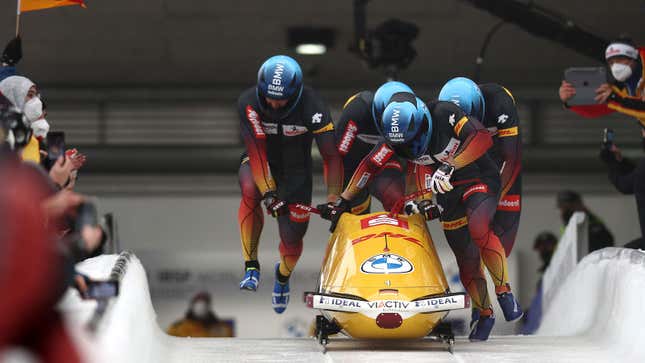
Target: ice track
595	317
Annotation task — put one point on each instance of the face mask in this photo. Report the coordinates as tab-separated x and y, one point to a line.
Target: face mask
200	309
621	71
33	109
41	128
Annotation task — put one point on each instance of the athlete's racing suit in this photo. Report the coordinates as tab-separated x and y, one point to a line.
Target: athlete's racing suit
356	135
278	159
468	209
502	120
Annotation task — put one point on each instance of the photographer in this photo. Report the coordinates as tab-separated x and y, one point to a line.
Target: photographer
629	178
626	94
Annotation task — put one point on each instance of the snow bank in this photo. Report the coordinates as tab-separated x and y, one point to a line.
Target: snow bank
602	300
598	308
128	332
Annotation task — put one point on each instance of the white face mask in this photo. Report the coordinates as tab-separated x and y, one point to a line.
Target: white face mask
40	127
621	71
33	109
200	309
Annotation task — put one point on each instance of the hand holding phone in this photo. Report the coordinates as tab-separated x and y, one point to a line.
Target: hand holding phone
95	289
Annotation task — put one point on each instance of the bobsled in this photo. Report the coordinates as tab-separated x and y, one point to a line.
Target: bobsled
381	278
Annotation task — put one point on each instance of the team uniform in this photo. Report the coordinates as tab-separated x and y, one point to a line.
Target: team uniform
469	208
502	120
278	159
356	135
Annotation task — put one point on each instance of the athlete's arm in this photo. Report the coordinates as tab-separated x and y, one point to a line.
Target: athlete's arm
322	127
371	165
475	141
255	142
353	111
509	141
332	161
415	180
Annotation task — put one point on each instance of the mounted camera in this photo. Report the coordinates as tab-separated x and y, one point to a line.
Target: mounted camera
389	45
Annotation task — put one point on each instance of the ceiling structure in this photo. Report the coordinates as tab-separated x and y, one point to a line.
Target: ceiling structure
221	43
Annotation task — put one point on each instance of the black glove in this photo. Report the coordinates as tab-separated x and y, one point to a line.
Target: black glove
12	52
275	206
425	207
333	211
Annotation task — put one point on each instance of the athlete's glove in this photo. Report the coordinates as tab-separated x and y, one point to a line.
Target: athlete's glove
12	52
440	182
425	207
333	211
275	206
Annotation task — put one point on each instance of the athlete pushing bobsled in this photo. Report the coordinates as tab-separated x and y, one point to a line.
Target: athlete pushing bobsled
279	118
441	140
495	106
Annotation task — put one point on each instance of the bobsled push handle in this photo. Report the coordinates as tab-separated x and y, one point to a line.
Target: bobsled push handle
305	208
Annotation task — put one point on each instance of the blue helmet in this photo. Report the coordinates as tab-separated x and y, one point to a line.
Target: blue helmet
407	125
383	95
279	78
464	93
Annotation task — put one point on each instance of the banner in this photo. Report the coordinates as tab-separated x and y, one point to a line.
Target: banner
32	5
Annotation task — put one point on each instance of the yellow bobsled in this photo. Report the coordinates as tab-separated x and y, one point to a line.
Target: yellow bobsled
381	278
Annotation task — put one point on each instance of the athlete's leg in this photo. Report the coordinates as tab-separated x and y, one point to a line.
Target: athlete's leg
250	217
471	273
507	217
292	230
455	228
480	201
389	185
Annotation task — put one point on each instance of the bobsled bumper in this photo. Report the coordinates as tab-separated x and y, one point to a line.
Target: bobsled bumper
434	304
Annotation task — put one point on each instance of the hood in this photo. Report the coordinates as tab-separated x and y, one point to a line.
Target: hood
15	89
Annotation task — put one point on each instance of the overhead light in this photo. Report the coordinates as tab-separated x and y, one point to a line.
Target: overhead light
311	49
310	40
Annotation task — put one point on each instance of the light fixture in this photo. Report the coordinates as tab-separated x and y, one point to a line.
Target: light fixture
308	40
311	49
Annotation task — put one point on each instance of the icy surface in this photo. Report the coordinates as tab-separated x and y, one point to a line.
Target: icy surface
596	317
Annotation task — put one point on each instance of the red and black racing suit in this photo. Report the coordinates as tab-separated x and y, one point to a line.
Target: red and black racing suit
278	158
468	209
356	135
501	119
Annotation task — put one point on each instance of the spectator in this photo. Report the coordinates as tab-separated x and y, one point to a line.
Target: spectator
626	94
599	235
23	94
629	178
30	291
200	320
544	245
10	57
